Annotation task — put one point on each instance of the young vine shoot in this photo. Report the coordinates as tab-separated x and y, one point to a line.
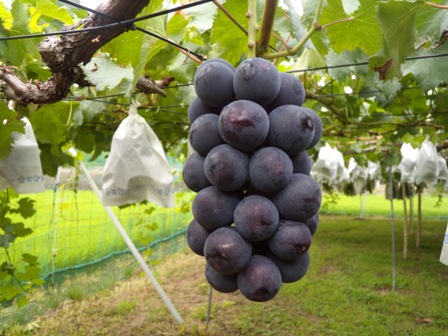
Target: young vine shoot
256	205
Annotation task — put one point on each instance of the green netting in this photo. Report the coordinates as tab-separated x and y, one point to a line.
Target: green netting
71	230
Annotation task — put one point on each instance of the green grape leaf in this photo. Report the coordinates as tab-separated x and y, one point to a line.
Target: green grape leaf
429	72
144	45
29	273
91	108
348	32
9	292
38	281
18	51
228	41
10	124
182	68
21	231
36	70
26	207
85	140
177	26
30	259
155	25
22	301
294	15
50	9
441	102
21	15
350	6
5	16
119	47
105	74
8	235
289	26
52	158
201	17
7	268
397	20
389	88
50	124
310	58
430	23
346	57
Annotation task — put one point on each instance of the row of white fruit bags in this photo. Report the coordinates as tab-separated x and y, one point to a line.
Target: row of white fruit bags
136	169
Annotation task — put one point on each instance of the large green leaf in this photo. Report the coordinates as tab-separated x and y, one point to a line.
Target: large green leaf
348	32
26	208
10	124
50	9
5	16
9	291
155	25
105	74
430	23
182	68
397	20
50	125
201	17
52	158
177	26
20	50
7	234
310	58
429	72
348	58
227	40
135	48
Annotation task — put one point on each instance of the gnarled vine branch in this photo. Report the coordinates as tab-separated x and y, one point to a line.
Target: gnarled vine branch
63	55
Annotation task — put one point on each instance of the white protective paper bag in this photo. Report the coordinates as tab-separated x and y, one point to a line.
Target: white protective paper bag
22	169
137	168
444	253
373	170
443	169
329	167
407	164
427	164
358	176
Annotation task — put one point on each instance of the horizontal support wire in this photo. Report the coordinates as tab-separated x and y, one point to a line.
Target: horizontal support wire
175	9
164	39
197	3
410	58
107	26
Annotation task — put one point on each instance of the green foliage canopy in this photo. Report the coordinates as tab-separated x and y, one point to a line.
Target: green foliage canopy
390	89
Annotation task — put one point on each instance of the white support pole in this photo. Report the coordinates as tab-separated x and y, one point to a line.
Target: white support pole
133	249
392	220
363	204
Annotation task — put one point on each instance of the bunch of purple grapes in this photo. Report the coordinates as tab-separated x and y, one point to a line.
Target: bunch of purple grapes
256	205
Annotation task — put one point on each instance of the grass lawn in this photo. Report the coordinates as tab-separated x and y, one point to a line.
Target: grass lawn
378	205
347	291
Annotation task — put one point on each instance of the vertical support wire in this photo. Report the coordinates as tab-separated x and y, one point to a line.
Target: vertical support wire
209	310
392	221
54	221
